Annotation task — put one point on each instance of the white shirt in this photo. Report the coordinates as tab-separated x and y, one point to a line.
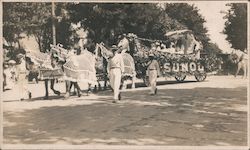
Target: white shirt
116	62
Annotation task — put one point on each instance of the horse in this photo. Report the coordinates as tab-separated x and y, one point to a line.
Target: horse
78	40
101	71
241	60
46	69
129	73
123	44
74	71
51	67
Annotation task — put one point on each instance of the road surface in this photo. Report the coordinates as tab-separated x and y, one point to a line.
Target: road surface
209	113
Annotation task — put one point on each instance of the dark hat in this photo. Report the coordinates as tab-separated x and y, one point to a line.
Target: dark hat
114	48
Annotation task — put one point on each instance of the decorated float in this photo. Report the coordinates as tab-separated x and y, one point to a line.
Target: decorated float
178	56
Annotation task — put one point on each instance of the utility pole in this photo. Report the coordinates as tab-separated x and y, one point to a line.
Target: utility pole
53	24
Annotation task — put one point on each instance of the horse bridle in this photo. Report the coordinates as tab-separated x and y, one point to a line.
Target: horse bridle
102	51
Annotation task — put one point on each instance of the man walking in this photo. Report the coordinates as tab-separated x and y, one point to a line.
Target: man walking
153	71
115	69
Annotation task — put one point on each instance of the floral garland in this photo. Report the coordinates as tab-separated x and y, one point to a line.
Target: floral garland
142	58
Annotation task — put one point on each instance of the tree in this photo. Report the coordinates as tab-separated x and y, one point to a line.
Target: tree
145	20
35	19
213	49
189	16
236	25
30	18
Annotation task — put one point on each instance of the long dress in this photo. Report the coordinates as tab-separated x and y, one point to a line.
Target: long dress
9	82
22	81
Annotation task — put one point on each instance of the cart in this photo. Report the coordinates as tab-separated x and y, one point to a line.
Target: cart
177	65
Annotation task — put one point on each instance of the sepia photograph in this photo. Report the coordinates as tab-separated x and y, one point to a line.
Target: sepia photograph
125	75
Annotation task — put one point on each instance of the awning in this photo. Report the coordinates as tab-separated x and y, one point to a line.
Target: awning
178	32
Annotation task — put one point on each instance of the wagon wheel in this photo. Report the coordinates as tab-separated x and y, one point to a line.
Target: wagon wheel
146	80
180	77
200	76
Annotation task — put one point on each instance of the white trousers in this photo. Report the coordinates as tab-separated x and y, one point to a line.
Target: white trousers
22	86
152	76
115	81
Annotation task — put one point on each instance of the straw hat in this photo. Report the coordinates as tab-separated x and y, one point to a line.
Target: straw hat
19	56
12	62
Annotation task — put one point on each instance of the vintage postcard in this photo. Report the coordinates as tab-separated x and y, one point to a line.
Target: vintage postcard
125	75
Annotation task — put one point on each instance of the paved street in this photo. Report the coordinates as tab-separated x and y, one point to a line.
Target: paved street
209	113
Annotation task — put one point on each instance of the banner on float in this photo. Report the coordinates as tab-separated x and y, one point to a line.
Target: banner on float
183	67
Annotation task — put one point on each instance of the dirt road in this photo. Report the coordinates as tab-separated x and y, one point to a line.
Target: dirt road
209	113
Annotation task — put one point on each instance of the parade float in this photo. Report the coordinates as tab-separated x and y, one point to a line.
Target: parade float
181	58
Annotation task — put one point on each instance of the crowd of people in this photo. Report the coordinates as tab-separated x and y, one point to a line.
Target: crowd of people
173	48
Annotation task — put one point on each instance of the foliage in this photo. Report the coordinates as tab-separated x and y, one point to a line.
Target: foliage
35	19
107	21
213	49
104	21
30	18
236	25
141	60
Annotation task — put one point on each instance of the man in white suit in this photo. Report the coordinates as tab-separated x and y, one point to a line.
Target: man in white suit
153	71
115	69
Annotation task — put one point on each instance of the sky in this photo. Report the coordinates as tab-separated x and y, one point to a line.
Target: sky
211	11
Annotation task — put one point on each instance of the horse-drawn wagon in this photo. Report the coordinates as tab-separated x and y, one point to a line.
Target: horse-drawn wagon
176	58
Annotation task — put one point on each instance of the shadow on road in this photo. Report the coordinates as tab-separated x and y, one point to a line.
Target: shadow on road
141	84
173	117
